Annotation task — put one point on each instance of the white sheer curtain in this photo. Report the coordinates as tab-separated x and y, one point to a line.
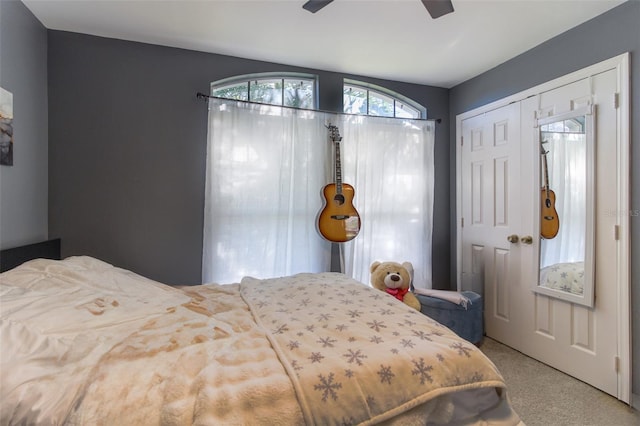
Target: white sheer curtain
390	163
266	167
567	162
265	170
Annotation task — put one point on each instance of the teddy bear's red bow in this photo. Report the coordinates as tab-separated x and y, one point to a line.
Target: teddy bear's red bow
398	293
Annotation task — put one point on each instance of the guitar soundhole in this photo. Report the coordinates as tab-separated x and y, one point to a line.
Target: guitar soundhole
547	203
339	199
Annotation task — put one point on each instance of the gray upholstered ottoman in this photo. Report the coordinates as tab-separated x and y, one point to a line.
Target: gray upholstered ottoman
466	323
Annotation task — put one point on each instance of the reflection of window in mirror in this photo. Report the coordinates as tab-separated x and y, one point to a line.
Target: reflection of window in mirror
566	152
566	205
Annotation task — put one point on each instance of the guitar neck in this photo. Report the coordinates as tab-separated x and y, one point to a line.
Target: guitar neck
546	172
338	168
336	138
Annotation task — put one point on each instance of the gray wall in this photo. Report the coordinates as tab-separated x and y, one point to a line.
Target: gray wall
606	36
127	150
23	72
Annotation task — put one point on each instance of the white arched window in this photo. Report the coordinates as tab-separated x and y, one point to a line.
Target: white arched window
368	99
284	89
267	164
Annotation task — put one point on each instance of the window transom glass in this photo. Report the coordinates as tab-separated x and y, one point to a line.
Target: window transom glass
292	90
367	99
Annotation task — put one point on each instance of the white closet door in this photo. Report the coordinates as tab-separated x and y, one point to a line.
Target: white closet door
499	197
578	340
490	189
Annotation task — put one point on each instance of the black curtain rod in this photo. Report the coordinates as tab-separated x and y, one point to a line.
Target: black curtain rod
203	96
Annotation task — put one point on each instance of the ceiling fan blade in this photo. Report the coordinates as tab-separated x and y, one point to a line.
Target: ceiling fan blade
315	5
438	8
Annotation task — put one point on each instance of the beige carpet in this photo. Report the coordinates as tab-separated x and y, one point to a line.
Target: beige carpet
543	396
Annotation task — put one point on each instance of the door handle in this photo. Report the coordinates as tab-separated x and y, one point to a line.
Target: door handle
528	239
513	238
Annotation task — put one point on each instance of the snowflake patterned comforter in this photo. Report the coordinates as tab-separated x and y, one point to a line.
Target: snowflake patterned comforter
86	343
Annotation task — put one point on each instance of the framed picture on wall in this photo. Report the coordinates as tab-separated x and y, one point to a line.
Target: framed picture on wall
6	128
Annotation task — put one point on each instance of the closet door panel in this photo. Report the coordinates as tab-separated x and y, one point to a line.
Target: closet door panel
490	181
578	340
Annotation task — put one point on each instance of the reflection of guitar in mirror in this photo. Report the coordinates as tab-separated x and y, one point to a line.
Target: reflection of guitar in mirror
549	222
338	221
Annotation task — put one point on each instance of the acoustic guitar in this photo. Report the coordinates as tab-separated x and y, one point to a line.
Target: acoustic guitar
339	220
549	221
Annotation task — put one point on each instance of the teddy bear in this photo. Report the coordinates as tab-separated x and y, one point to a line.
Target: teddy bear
394	278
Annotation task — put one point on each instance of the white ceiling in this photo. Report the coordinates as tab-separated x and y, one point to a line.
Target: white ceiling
390	39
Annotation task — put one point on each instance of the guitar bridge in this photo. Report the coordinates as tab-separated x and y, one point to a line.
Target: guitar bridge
340	216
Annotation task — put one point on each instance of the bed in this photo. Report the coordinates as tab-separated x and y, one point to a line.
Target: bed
87	343
567	277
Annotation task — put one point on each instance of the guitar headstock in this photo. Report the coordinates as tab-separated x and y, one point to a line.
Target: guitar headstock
334	133
542	150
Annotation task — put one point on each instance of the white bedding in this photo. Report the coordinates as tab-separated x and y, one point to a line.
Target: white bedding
564	277
84	342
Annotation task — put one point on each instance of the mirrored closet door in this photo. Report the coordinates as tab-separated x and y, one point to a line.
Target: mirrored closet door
538	174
